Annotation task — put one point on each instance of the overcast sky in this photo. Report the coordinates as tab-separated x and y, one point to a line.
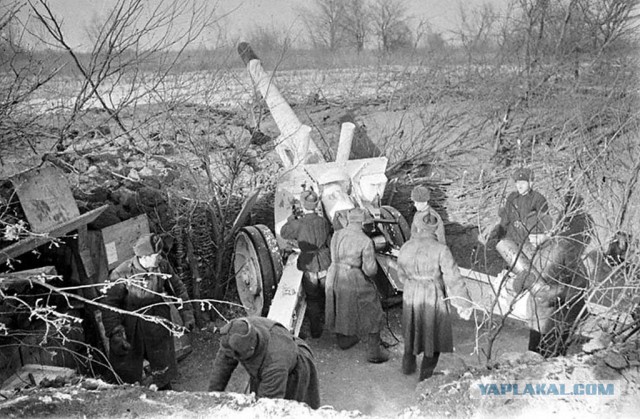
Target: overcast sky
245	14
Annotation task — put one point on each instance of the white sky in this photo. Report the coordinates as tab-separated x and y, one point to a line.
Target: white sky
245	14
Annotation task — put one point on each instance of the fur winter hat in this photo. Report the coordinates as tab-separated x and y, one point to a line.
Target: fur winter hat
420	194
309	199
356	215
241	337
426	222
147	244
523	174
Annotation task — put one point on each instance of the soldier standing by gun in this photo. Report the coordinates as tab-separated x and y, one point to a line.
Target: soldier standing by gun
524	225
524	218
430	274
313	235
353	306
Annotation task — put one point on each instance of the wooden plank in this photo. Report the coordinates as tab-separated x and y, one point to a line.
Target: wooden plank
289	303
11	362
30	243
245	211
181	344
7	280
119	239
45	197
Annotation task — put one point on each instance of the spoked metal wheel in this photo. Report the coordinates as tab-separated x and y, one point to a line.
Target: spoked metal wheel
258	268
399	232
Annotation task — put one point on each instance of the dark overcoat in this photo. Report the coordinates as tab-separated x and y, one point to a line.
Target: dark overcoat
313	234
430	274
353	306
148	340
522	215
281	367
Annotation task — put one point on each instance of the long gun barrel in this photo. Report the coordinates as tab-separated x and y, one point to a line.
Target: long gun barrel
294	146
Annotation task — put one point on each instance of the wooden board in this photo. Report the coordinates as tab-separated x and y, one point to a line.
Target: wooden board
7	280
45	197
30	243
181	344
119	239
289	304
246	209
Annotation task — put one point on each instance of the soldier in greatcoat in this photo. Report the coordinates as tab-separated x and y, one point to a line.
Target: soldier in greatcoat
280	365
353	308
432	282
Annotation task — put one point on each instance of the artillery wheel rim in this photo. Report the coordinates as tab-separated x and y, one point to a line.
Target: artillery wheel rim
254	272
274	251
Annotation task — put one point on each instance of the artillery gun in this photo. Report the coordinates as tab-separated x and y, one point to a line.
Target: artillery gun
268	286
268	281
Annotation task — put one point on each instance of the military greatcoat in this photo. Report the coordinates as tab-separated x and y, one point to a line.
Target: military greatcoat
430	274
353	306
282	365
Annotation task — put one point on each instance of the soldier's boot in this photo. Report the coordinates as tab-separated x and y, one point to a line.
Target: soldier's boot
428	365
376	353
534	341
315	316
346	342
408	363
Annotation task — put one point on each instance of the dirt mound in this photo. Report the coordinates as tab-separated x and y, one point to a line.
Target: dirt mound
133	401
459	395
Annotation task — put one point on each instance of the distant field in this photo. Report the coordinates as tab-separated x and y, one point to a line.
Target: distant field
229	88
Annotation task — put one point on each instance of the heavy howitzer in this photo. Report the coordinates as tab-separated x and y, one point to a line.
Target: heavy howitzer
269	287
266	285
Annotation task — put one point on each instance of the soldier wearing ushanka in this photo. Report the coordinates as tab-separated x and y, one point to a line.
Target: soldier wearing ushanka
313	236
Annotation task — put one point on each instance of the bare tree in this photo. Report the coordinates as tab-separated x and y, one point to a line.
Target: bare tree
269	39
356	24
476	29
23	75
390	24
134	37
325	22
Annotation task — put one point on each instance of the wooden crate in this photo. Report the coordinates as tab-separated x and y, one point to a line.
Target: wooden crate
119	239
45	197
49	207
